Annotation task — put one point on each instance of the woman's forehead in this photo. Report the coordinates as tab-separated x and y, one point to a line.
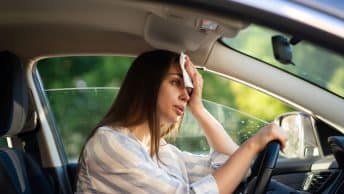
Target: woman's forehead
175	68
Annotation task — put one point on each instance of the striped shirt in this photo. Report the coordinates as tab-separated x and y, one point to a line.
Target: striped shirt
114	161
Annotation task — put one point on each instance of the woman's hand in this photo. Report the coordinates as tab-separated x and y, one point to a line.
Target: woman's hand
269	133
195	101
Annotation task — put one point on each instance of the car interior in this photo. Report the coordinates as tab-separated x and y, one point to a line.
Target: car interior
32	154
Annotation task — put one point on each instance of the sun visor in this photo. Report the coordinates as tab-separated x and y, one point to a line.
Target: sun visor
176	33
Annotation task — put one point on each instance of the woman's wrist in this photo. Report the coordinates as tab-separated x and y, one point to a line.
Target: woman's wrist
197	110
253	144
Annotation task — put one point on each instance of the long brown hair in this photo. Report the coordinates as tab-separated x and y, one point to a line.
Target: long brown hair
136	101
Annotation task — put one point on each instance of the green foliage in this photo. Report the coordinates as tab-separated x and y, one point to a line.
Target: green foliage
77	112
216	89
337	82
258	104
313	63
86	71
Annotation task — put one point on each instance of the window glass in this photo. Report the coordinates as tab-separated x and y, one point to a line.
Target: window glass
315	64
76	111
239	126
3	142
81	89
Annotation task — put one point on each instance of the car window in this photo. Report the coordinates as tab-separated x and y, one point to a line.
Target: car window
3	142
315	64
81	89
239	126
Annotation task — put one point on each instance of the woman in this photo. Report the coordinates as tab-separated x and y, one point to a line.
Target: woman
126	152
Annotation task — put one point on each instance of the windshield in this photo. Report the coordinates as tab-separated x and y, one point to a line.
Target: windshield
317	65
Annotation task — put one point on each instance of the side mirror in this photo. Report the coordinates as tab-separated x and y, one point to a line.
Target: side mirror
301	134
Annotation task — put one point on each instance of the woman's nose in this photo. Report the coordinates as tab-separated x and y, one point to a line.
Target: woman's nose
185	94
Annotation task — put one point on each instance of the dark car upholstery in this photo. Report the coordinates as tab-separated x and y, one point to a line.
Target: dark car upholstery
19	172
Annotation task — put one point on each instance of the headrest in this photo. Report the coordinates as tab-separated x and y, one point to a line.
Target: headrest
14	97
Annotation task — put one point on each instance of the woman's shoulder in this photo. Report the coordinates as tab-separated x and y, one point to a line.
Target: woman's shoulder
106	128
110	137
114	132
113	137
108	142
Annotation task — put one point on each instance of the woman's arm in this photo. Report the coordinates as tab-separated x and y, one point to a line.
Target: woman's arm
231	173
216	135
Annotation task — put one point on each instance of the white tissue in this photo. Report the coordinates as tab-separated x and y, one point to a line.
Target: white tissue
186	77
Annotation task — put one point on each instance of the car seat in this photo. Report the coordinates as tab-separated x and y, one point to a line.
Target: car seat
19	172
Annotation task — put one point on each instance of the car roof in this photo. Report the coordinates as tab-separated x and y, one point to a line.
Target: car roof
51	28
40	28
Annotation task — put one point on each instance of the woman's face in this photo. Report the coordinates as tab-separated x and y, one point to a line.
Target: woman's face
173	96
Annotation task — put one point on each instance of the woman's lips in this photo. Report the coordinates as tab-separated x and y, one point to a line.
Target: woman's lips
179	110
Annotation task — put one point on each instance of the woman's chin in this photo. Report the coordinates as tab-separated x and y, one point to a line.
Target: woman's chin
171	120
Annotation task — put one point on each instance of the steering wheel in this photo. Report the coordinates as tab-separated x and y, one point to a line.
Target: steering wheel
263	167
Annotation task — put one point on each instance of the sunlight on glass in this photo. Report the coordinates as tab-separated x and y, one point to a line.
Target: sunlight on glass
322	67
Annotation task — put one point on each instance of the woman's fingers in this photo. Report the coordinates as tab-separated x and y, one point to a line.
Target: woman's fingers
277	133
283	138
269	133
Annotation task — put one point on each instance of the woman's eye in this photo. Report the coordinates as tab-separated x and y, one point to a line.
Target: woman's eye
176	82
